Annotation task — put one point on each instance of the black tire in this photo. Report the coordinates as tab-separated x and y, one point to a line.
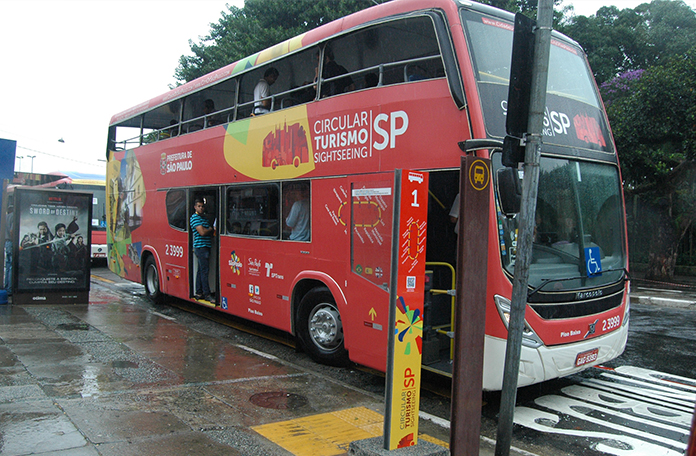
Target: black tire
151	281
320	329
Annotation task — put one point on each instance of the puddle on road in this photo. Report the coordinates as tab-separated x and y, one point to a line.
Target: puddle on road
73	327
123	364
279	400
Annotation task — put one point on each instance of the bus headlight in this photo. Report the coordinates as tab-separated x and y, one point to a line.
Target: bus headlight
529	337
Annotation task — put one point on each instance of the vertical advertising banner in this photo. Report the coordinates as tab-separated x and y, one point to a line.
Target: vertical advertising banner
53	256
405	339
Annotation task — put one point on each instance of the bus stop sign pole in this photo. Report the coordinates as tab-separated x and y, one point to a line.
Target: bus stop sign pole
526	226
470	314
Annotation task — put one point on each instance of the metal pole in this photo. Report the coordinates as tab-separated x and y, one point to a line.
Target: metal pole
393	283
526	227
3	221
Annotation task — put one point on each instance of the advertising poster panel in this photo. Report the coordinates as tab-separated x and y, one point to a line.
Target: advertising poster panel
52	229
406	337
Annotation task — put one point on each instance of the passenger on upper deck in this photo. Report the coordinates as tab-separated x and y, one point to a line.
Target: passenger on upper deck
208	109
262	91
371	80
331	69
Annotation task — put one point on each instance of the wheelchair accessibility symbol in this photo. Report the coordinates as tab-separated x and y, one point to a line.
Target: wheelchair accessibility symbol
592	261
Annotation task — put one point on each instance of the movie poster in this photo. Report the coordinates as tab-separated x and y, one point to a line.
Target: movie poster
54	240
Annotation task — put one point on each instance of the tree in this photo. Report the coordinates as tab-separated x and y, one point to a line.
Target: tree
260	24
527	7
653	116
618	41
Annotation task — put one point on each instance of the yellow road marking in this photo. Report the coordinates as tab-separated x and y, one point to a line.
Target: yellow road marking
328	434
101	278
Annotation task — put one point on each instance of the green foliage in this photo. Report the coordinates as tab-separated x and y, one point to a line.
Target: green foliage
654	120
653	116
260	24
526	7
617	41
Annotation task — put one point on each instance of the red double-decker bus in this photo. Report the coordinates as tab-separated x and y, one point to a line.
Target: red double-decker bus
400	86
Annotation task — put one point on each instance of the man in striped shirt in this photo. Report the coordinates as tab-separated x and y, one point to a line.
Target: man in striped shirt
202	242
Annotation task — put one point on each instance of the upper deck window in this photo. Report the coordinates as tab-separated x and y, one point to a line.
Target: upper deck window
402	50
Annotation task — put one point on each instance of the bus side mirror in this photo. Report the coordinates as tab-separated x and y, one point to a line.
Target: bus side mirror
509	190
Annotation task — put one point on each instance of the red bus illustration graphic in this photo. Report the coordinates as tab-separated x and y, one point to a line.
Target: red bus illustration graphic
285	146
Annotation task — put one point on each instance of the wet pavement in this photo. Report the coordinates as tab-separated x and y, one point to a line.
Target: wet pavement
120	377
679	293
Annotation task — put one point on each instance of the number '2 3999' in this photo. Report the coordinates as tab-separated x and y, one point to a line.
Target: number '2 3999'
175	251
611	323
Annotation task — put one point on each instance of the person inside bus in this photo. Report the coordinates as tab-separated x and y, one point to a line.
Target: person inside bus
371	80
173	129
262	91
416	73
208	110
202	243
331	69
298	218
454	214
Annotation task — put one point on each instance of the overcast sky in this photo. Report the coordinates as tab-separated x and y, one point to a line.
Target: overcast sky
68	66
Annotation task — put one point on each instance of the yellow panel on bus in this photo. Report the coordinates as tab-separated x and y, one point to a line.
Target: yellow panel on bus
271	146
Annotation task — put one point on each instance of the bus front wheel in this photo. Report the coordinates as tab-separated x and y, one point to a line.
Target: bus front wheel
320	328
151	282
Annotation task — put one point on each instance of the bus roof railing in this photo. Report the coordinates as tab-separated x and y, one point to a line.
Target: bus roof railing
232	113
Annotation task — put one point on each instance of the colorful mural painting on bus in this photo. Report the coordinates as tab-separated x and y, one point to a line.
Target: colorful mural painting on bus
126	192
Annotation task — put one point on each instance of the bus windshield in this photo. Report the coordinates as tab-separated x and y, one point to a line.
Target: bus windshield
573	116
578	207
491	42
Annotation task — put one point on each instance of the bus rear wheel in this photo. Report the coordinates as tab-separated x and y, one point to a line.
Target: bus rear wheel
320	328
151	281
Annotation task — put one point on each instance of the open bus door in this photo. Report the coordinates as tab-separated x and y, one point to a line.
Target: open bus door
211	200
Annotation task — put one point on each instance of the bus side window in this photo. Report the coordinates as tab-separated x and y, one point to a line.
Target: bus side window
398	51
296	211
252	210
160	123
246	93
219	102
176	208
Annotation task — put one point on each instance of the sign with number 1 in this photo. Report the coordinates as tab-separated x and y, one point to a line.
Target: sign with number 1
403	378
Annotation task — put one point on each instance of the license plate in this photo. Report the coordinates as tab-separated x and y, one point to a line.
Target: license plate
586	357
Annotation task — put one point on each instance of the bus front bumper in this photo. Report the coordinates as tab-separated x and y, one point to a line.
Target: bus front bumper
546	363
